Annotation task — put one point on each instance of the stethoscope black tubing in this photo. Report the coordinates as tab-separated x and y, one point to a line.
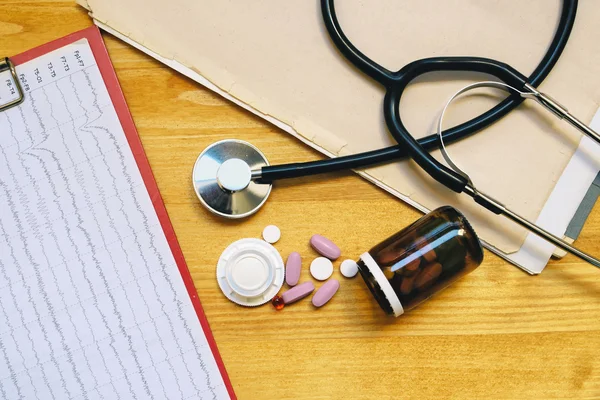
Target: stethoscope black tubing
396	82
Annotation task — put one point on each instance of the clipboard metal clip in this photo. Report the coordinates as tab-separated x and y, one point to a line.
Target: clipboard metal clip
7	65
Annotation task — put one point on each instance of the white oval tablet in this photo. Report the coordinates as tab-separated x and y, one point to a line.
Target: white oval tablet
271	234
234	175
321	268
349	268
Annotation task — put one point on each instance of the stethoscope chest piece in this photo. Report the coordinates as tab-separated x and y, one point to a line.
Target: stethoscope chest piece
222	179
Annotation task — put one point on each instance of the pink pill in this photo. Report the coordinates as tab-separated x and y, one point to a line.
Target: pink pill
298	292
325	247
325	292
293	266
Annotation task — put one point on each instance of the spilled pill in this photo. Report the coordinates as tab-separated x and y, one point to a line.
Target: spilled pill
321	268
297	292
293	267
325	247
271	234
325	292
349	268
278	303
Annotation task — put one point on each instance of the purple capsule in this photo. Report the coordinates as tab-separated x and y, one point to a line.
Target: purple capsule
325	292
325	247
298	292
293	266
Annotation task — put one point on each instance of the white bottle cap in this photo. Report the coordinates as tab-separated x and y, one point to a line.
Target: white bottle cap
250	272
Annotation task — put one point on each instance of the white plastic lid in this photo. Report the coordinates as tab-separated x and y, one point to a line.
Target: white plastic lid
250	272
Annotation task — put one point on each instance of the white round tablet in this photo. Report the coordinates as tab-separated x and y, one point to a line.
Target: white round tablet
234	175
250	272
271	234
349	268
321	268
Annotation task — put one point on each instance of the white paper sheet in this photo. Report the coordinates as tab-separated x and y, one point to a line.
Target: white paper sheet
92	305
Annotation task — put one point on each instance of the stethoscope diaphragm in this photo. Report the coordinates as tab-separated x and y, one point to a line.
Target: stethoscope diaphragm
222	179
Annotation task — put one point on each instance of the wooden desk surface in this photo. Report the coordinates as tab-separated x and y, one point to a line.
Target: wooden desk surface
498	333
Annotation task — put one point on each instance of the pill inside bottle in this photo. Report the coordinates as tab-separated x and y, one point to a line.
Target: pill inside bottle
422	259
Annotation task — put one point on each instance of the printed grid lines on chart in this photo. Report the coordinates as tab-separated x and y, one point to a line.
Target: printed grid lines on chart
92	304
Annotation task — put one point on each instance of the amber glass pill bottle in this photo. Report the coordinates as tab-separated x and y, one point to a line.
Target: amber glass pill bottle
407	268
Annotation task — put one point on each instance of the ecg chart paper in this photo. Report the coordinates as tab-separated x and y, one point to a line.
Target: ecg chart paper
93	302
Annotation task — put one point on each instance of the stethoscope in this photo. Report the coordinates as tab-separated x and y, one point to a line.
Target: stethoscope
233	179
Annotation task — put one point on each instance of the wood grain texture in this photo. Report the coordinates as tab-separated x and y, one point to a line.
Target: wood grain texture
498	333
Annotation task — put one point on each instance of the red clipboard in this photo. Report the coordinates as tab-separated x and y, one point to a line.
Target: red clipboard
94	38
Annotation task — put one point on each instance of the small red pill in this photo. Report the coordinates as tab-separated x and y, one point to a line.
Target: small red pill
278	303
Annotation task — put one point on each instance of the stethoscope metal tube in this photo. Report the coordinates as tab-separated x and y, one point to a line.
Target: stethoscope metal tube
498	208
560	111
488	201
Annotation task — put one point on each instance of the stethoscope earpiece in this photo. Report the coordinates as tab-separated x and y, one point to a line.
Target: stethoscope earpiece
222	179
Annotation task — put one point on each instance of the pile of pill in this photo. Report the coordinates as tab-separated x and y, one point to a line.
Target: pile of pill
321	269
251	271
